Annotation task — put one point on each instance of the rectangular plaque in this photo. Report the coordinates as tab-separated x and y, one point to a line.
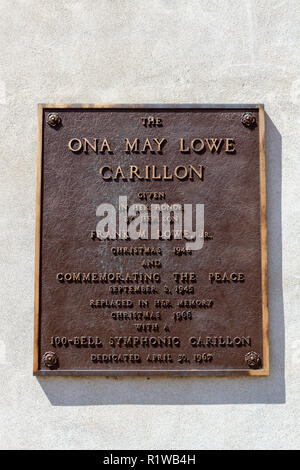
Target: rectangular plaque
151	244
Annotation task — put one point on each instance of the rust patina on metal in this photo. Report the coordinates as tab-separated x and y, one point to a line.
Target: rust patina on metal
151	307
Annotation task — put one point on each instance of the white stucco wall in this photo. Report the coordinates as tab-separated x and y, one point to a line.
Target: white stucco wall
139	51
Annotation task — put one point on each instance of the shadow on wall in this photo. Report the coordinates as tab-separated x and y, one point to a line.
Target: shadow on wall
84	391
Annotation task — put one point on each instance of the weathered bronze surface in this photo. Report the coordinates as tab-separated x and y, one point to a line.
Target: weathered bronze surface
151	307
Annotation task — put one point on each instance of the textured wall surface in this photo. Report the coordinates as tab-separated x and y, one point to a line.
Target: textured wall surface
163	51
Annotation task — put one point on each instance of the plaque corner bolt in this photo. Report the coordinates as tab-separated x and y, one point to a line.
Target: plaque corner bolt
253	360
53	119
50	359
248	120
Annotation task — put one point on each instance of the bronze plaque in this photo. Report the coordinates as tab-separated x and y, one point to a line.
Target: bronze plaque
151	255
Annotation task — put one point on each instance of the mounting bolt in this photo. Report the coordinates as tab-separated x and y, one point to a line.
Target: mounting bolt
249	120
54	119
253	360
50	359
